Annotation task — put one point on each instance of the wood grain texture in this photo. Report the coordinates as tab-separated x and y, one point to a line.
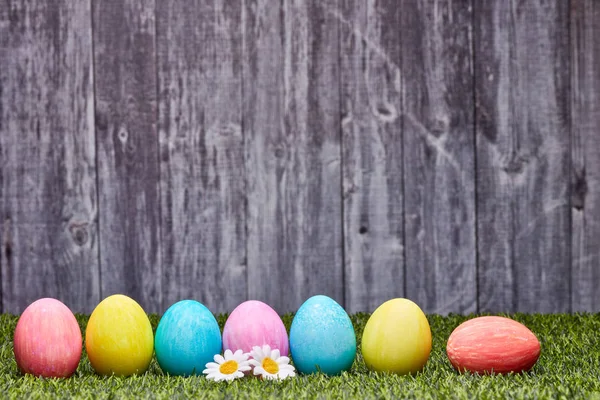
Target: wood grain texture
585	170
292	127
202	152
48	204
522	107
127	142
372	152
438	132
440	150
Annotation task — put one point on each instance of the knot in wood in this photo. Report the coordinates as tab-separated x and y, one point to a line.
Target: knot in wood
579	190
101	121
386	112
439	126
279	152
79	233
515	165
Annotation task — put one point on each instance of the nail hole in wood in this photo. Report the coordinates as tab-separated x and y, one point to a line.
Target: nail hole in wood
8	250
123	135
384	111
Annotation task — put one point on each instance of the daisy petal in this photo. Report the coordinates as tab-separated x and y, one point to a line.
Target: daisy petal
275	354
257	353
282	360
228	354
212	365
219	359
266	350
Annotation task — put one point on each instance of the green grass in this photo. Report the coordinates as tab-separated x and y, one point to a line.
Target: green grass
569	367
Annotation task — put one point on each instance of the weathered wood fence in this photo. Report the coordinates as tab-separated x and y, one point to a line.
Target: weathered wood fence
224	150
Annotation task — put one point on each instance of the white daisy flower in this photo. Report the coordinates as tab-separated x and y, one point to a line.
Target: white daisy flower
228	368
268	363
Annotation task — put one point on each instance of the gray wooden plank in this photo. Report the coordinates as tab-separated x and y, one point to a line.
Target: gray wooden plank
127	142
372	152
48	202
292	132
438	131
202	152
522	107
585	169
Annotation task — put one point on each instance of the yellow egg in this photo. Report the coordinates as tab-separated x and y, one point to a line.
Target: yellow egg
118	337
397	338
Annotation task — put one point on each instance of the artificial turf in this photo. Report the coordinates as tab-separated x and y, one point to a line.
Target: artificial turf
569	367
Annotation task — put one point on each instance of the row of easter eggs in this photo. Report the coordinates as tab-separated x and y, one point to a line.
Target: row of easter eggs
396	338
119	338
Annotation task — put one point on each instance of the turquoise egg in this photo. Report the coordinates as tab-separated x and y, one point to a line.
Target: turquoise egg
322	337
187	337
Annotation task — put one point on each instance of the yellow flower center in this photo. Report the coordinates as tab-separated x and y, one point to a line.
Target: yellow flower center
228	367
270	366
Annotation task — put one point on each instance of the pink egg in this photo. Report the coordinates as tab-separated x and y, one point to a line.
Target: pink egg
254	323
47	340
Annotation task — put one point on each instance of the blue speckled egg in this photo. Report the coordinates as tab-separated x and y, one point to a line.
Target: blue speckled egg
322	337
187	337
